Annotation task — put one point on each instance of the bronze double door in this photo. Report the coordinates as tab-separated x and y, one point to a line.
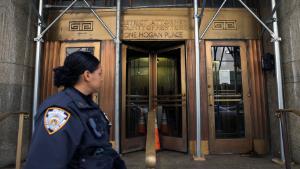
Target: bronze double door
153	80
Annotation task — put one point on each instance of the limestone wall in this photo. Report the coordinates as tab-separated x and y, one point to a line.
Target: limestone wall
16	72
290	49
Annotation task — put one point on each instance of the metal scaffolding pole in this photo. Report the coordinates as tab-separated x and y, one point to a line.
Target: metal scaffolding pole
275	39
37	67
278	76
198	107
38	52
117	77
198	84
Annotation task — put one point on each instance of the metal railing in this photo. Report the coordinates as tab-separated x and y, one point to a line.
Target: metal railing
22	117
281	114
150	141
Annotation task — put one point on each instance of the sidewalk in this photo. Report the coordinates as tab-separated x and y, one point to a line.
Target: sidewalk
174	160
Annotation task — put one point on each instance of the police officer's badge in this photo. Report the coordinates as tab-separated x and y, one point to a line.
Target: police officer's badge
55	118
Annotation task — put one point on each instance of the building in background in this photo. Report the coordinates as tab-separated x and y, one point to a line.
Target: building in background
238	98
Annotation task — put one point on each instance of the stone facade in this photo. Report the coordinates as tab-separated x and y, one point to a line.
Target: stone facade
17	30
16	72
290	31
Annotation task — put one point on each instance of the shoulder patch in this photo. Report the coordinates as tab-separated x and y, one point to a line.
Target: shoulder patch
55	118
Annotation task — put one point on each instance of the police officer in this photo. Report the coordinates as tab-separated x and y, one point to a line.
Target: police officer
71	131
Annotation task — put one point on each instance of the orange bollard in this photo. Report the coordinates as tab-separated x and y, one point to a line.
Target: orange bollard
164	124
157	142
141	126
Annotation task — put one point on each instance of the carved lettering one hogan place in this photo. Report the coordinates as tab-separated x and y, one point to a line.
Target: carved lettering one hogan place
154	29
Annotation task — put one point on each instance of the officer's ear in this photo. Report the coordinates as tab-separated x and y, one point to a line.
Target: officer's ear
86	75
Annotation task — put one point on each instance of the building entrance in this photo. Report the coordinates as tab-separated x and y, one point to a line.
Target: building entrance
228	97
153	79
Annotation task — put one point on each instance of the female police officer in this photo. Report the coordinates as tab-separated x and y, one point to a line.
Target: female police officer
71	131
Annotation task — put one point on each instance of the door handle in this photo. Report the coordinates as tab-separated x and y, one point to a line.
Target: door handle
210	99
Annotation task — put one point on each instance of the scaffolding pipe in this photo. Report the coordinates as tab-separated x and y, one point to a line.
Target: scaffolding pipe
37	67
212	20
100	20
198	84
198	106
278	76
39	40
39	36
117	77
260	21
48	6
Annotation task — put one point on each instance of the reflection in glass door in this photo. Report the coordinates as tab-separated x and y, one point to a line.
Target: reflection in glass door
228	92
228	97
135	98
170	98
137	93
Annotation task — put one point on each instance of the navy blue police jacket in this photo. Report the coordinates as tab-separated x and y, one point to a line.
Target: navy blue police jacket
71	132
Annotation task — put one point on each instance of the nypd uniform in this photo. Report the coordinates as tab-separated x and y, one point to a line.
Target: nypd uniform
71	133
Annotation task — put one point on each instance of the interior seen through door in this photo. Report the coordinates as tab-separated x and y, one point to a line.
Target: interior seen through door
228	92
165	95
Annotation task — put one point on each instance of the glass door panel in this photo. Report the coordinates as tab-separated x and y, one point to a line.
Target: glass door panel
228	92
155	80
137	93
169	93
135	98
170	98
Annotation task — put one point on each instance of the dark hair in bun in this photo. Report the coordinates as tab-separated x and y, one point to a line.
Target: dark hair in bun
75	64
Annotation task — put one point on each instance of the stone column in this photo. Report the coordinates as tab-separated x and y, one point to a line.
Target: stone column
17	30
289	14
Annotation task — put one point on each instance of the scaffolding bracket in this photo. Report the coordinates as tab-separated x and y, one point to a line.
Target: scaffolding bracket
276	39
197	16
274	36
40	36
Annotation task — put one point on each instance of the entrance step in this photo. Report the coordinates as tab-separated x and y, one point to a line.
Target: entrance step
175	160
